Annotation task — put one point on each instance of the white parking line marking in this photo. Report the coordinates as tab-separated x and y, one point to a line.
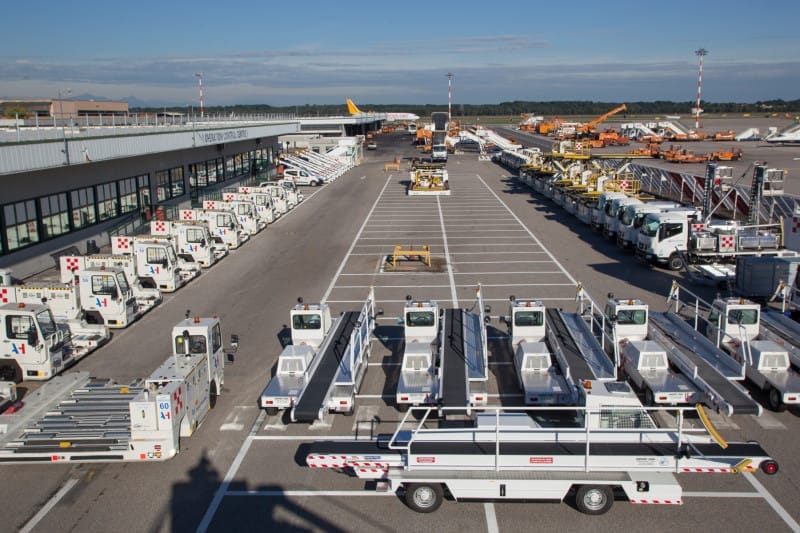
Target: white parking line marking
777	507
49	505
347	255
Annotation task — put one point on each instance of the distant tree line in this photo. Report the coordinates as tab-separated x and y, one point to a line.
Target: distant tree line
567	107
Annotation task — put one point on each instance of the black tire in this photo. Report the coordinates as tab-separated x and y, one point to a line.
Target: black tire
648	397
315	184
212	395
424	497
271	411
594	499
11	372
675	262
775	400
403	407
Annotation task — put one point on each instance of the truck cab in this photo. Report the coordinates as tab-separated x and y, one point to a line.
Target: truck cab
223	225
631	217
439	152
734	324
191	239
156	261
419	373
611	224
262	201
243	210
104	294
293	194
32	347
661	234
598	216
310	324
539	378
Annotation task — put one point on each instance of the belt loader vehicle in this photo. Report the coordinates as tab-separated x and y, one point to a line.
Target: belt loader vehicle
262	202
614	447
543	380
191	240
663	378
32	346
734	324
709	368
75	418
80	267
322	369
445	358
243	210
223	225
419	379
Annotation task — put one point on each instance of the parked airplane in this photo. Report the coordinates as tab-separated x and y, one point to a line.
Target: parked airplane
789	135
390	117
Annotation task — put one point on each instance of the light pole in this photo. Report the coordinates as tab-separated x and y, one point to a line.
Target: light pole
63	128
199	76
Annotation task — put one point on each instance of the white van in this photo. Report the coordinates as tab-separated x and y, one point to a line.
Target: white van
302	177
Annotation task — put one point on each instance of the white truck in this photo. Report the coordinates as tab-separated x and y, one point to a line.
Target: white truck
541	379
439	153
223	225
32	346
631	217
280	201
611	223
293	194
75	418
262	201
155	262
735	325
666	238
77	269
322	369
612	447
243	210
419	379
645	361
192	239
598	210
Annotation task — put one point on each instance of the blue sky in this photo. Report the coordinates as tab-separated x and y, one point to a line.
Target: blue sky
378	52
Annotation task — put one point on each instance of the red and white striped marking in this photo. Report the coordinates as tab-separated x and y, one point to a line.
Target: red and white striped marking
699	470
657	502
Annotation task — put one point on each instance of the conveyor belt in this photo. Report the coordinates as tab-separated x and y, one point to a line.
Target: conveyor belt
578	367
696	352
444	447
454	366
310	401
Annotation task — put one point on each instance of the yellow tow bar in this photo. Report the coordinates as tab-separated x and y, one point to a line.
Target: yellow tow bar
710	427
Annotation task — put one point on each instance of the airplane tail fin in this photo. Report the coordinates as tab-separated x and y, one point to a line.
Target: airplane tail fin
351	107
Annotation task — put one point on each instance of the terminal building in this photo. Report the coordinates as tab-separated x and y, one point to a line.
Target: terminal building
71	180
